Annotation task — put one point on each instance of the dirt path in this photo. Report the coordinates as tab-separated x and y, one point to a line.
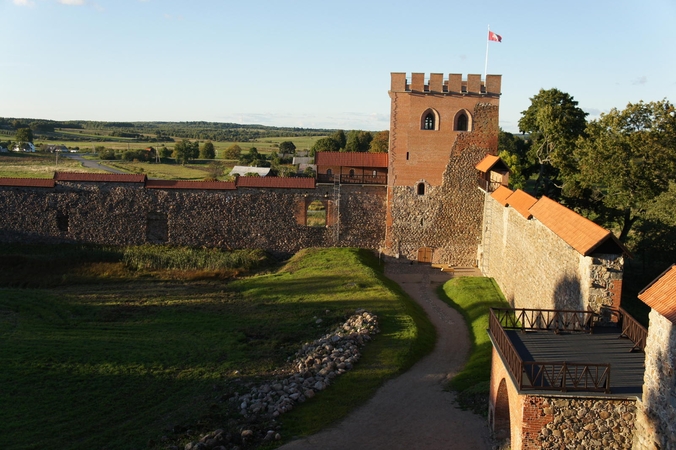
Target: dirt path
413	411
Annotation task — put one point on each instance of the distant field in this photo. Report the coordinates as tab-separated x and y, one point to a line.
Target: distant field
195	171
264	145
36	165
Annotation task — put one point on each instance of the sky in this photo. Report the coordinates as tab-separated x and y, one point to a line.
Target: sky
320	64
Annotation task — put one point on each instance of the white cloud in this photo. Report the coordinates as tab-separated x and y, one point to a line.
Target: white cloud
72	2
640	80
24	2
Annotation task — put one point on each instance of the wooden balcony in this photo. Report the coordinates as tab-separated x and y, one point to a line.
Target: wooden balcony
561	350
353	179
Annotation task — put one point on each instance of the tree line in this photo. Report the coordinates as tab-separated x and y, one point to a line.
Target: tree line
618	170
353	141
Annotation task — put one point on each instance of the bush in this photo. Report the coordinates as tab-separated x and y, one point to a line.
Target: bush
107	154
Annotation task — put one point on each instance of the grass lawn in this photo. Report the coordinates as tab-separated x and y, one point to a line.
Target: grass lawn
473	297
108	357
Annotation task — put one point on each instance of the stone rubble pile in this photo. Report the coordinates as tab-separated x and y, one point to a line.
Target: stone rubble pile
314	366
312	369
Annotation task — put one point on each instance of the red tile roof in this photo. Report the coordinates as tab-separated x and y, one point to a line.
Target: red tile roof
501	194
579	232
100	177
276	182
660	295
486	163
521	201
204	185
27	182
351	159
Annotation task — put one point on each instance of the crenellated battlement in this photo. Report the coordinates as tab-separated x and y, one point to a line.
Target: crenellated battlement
454	84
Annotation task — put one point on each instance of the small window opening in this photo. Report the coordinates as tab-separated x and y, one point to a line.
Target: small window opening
62	221
157	227
428	124
316	214
351	172
406	156
422	222
329	172
462	122
421	188
375	173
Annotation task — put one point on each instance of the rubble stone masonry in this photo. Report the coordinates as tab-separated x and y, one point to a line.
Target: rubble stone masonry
535	268
656	418
130	214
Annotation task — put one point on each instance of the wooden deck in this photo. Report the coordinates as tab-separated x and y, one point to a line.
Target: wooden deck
603	346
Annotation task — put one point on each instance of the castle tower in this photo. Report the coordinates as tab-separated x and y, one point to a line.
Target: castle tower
439	130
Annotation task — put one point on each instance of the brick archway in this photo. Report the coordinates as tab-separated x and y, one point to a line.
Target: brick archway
501	420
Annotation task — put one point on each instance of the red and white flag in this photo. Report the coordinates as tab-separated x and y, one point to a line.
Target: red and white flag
494	37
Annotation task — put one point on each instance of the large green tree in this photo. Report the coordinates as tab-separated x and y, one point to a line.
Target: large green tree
287	147
358	141
208	151
186	150
627	159
513	150
24	135
233	152
340	137
326	144
380	142
554	122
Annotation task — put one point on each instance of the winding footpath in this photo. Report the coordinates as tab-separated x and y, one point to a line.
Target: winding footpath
413	411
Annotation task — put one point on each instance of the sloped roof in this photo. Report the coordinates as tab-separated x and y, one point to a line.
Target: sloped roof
203	185
276	182
501	194
522	202
351	159
660	295
490	162
27	182
100	177
579	232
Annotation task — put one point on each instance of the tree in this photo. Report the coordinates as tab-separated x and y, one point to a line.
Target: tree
287	147
185	150
253	158
358	141
513	151
554	122
326	144
380	142
24	135
208	151
627	159
340	137
233	152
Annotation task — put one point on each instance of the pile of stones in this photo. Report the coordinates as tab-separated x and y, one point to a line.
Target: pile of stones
312	369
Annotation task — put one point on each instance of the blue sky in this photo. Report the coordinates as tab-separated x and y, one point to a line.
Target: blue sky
320	64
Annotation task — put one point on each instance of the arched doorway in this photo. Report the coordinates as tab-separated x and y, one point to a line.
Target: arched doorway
501	422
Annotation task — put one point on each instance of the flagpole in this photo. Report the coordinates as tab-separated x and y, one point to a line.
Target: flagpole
487	42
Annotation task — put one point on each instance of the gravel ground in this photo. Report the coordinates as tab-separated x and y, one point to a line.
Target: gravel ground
413	411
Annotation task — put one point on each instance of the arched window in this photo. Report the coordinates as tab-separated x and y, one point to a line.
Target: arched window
429	122
329	172
351	172
462	122
421	188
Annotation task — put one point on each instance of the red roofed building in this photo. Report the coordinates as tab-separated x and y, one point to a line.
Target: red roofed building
351	167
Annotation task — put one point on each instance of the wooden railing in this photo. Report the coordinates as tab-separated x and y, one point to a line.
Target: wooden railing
633	330
547	375
353	179
546	319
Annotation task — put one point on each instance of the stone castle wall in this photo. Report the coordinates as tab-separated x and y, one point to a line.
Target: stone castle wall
656	418
131	214
535	268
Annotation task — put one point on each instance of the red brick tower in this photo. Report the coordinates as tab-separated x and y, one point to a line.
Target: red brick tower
439	130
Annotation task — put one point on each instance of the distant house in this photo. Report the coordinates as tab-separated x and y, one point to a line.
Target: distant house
3	149
243	170
24	147
51	148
